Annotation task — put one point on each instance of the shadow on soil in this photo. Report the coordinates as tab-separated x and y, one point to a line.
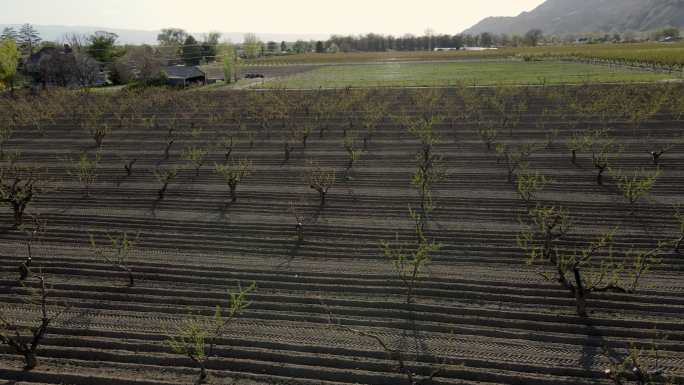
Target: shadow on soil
591	353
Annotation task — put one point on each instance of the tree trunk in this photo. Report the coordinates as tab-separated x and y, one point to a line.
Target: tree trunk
18	216
580	294
30	360
322	198
599	177
233	195
131	281
574	156
202	379
581	303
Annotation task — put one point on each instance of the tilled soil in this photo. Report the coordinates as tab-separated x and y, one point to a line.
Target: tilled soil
480	315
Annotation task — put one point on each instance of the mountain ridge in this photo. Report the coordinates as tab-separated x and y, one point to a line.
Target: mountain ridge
563	17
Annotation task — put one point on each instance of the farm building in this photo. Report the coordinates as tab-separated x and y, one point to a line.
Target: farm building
214	74
182	76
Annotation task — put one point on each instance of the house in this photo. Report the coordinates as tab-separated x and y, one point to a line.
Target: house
183	76
479	48
214	74
52	66
671	39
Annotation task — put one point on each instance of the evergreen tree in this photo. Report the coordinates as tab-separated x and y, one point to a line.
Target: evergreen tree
102	46
9	34
28	39
191	52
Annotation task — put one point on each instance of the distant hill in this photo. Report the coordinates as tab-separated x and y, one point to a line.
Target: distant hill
131	36
563	17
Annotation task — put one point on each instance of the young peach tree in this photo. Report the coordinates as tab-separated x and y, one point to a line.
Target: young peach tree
602	148
528	184
582	271
320	179
354	153
165	177
679	216
116	253
578	142
19	185
85	170
635	187
196	337
410	259
24	340
233	173
634	369
196	156
509	103
488	135
515	158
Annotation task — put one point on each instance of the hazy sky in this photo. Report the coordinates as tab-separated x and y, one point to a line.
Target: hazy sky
267	16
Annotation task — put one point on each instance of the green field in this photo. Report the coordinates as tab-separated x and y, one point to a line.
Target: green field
463	72
650	54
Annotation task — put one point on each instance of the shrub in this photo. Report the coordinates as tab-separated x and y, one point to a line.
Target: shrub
196	338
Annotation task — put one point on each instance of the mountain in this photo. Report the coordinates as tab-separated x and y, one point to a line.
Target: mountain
132	36
561	17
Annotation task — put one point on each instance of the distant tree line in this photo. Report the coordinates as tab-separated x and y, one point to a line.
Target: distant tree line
373	42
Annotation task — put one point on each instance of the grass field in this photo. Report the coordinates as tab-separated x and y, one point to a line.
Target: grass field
451	73
658	54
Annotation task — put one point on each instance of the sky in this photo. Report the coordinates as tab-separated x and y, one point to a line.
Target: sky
267	16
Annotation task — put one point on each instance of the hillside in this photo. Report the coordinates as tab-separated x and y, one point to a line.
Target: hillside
580	16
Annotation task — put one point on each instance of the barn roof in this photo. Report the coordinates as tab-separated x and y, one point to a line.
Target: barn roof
183	72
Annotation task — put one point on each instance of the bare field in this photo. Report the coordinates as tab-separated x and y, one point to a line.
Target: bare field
480	314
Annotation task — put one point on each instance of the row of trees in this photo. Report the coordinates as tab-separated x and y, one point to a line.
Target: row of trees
430	41
356	112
